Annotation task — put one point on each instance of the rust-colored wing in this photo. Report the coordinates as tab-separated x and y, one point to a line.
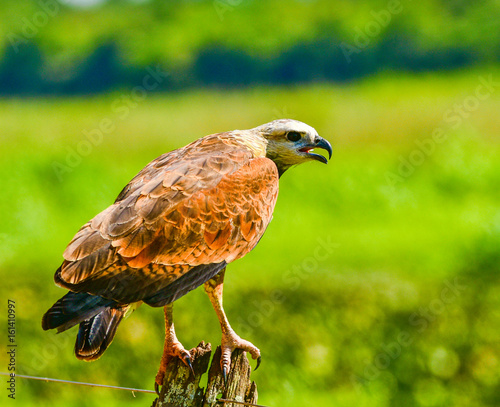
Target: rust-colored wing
206	204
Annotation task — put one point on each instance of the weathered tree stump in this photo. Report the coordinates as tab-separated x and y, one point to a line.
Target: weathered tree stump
182	389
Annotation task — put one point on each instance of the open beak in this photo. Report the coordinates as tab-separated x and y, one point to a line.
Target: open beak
320	143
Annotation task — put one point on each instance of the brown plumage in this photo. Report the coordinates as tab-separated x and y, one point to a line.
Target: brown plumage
174	227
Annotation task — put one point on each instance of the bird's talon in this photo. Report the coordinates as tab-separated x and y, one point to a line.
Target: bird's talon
187	361
157	389
258	363
224	374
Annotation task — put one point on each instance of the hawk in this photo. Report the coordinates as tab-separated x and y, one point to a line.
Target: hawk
176	226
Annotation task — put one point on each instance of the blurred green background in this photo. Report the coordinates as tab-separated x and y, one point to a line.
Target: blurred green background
377	282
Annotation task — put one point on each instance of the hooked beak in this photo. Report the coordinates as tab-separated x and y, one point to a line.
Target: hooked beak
319	143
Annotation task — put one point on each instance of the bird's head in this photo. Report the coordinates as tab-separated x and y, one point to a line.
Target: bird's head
290	142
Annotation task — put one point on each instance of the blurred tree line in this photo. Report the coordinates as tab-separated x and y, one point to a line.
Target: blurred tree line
51	47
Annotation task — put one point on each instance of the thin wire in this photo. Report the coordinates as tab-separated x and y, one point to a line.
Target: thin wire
47	379
133	390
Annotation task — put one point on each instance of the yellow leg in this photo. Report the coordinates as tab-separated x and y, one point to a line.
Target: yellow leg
230	340
172	347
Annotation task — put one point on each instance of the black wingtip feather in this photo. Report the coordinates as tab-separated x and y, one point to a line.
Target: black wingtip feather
72	309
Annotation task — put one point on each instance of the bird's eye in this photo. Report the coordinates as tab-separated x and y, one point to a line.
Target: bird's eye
294	136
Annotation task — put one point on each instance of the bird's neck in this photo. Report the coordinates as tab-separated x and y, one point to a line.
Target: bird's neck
258	145
254	142
279	164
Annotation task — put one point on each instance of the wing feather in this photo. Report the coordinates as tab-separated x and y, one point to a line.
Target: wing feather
208	203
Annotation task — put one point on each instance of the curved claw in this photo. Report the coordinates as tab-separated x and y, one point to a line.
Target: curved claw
224	374
179	352
187	361
259	359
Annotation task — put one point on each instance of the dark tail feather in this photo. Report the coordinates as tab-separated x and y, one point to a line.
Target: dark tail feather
72	309
96	333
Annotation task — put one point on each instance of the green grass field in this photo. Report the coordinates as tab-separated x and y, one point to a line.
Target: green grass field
376	283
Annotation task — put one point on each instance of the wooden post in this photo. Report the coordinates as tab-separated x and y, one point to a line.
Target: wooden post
182	389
